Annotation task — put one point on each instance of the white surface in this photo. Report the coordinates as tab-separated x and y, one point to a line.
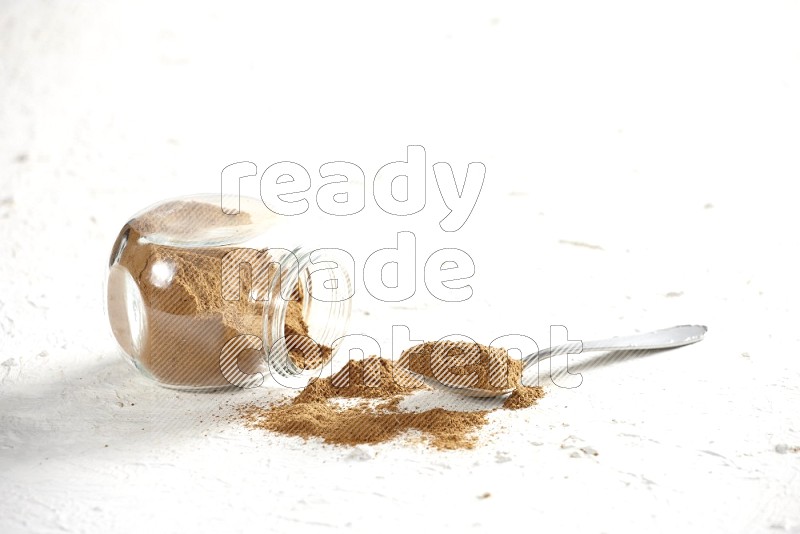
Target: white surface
665	135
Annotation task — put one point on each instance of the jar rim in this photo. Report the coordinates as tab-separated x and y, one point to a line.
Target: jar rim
294	269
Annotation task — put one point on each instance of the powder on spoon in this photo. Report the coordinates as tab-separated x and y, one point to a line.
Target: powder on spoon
464	364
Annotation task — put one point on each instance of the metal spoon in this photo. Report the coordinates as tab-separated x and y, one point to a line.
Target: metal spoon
668	338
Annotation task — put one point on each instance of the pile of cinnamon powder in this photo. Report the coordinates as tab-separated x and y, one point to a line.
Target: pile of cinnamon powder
374	388
461	364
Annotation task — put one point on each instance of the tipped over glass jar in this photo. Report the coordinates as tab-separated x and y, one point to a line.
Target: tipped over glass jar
201	299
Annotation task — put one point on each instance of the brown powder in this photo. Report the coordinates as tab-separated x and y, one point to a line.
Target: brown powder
303	354
523	397
314	413
360	425
371	378
464	364
186	322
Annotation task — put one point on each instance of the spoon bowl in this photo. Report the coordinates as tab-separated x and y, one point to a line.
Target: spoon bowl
667	338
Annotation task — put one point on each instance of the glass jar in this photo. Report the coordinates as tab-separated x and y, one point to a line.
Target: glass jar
200	299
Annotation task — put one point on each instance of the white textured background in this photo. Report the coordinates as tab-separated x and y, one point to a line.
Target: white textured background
665	134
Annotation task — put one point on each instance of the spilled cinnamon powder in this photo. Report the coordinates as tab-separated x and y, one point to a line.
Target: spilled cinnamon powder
375	387
523	397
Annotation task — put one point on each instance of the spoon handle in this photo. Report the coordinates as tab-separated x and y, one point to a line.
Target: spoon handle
676	336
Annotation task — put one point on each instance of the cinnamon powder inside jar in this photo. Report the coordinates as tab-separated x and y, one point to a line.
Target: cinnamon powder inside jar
186	321
302	353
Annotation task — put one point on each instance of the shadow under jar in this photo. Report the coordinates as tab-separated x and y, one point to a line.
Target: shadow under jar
201	299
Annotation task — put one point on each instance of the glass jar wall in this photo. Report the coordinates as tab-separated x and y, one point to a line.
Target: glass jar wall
201	299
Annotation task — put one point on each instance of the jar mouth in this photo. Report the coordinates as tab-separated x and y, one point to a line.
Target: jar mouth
325	308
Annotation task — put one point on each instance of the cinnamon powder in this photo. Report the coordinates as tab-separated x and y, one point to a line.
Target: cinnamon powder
463	364
303	354
378	386
313	414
